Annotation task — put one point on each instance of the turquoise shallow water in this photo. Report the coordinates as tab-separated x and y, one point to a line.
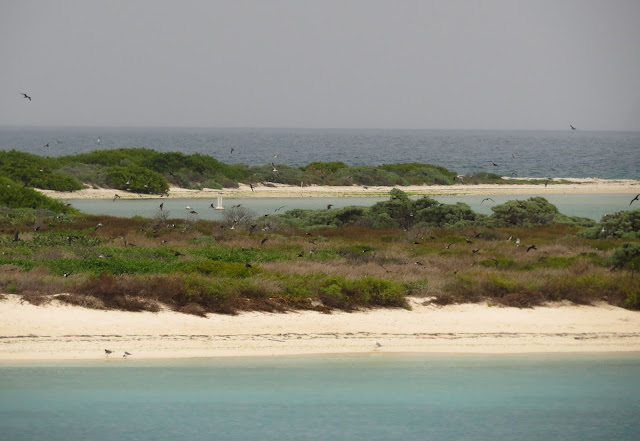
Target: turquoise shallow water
592	206
367	397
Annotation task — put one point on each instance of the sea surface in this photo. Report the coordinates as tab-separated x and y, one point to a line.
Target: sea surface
579	154
550	397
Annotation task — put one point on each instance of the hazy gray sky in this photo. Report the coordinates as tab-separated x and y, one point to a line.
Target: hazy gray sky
486	64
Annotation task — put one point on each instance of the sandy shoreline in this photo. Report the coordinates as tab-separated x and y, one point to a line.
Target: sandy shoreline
61	332
577	186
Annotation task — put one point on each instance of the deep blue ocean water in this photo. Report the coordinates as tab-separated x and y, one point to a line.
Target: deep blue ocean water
549	397
610	155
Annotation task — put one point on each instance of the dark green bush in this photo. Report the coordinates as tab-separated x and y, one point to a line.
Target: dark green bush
13	195
136	179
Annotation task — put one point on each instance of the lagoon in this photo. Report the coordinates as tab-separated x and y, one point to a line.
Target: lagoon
348	397
592	206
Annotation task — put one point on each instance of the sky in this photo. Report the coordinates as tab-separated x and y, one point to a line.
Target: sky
451	64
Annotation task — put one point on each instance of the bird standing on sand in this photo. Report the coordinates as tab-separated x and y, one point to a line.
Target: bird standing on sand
637	198
107	351
26	96
377	344
125	353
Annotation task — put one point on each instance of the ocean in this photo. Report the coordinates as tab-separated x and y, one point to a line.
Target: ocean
577	154
372	397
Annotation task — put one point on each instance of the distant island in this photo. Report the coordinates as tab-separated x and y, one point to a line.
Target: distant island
146	171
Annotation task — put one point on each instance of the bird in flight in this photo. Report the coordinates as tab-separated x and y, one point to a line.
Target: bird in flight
116	196
532	247
572	128
494	164
26	96
99	141
637	198
232	149
486	199
46	145
275	170
251	186
160	207
329	206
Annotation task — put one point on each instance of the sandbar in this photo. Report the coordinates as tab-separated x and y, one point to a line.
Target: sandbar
58	331
568	186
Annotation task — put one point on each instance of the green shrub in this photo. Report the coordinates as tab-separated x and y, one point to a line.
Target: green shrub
627	256
136	179
17	196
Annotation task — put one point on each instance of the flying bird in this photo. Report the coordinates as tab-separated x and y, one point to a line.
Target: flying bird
116	196
26	96
279	208
99	141
637	198
486	199
329	206
264	240
160	207
251	186
46	145
532	247
232	149
572	128
275	170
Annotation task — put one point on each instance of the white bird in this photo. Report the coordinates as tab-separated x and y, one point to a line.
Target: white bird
99	140
377	343
517	241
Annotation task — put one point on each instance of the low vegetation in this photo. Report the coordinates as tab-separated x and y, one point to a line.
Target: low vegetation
524	254
142	170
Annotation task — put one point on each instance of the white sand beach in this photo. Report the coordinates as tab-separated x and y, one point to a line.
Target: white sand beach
576	186
57	331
